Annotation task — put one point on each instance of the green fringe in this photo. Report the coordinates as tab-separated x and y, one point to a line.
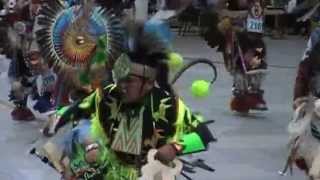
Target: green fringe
116	170
100	57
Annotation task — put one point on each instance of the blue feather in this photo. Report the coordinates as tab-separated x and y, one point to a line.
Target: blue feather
61	25
70	3
97	23
160	28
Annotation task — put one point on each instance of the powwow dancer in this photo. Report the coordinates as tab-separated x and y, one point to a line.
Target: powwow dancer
19	17
305	70
119	124
304	127
244	54
116	125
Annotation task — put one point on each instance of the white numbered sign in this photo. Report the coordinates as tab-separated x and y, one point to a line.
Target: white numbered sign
255	25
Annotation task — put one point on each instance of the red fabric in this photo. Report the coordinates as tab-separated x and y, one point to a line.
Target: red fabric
12	18
246	102
61	94
239	104
20	15
254	99
301	164
22	114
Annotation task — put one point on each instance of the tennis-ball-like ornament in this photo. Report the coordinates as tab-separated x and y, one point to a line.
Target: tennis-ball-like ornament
175	61
200	88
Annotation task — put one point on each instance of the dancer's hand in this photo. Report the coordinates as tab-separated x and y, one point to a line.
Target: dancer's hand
299	101
168	153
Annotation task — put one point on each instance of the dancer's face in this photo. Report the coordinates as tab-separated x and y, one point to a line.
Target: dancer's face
256	9
35	61
134	88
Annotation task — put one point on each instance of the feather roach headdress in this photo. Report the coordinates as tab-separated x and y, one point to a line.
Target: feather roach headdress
149	55
146	50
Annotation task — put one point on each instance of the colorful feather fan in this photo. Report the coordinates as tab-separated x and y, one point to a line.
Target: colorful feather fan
69	35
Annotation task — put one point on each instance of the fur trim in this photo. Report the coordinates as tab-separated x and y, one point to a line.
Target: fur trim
314	171
317	107
18	90
300	101
301	121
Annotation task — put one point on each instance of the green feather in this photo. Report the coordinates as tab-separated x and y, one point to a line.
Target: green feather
102	42
84	78
100	57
